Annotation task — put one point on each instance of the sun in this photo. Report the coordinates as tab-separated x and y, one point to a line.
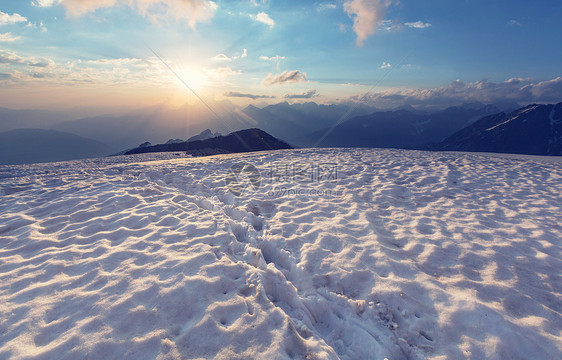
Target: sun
192	76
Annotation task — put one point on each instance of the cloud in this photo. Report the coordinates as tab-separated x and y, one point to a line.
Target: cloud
237	94
10	58
277	59
326	6
223	57
366	15
272	58
264	18
306	95
5	76
117	62
223	72
514	23
418	24
6	19
190	11
286	77
43	3
513	90
8	37
385	65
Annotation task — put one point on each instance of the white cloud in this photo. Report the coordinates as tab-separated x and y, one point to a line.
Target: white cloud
190	11
366	15
514	23
6	19
8	37
277	59
326	6
513	90
264	18
385	65
11	58
117	62
223	57
272	58
286	77
222	72
44	3
418	24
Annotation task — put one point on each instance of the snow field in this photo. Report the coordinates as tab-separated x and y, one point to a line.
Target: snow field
419	255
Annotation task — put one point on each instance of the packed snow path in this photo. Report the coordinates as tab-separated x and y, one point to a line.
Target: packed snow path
405	255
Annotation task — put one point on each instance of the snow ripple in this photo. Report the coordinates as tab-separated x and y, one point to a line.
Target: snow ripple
420	255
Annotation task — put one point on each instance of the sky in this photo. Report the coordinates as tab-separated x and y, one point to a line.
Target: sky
110	53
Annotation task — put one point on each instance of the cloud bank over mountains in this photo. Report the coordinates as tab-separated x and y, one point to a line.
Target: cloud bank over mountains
516	90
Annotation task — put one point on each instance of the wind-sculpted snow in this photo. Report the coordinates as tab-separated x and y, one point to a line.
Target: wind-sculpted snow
403	255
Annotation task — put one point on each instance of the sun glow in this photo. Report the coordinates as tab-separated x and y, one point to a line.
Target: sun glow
193	76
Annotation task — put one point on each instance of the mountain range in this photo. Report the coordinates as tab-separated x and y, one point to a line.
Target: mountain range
403	128
22	146
533	130
239	141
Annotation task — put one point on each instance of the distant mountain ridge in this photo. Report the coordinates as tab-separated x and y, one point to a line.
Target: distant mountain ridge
239	141
291	121
204	135
403	128
533	130
24	146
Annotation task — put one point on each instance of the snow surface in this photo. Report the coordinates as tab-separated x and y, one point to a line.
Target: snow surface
412	255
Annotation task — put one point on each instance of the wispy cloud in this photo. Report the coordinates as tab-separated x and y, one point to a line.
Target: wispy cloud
272	58
286	77
44	3
385	65
8	37
190	11
277	59
223	57
236	94
366	15
6	19
326	6
223	72
306	95
418	24
8	57
117	62
514	22
264	18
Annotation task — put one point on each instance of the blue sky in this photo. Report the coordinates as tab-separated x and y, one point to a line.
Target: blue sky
67	52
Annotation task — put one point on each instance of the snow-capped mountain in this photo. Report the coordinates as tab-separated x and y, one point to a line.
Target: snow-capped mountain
534	130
